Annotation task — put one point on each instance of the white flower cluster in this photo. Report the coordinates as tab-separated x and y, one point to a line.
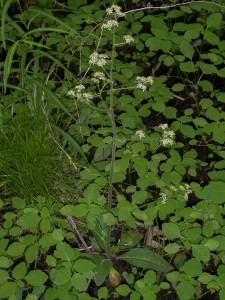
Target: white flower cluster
98	77
182	190
110	24
115	10
140	134
79	95
128	39
186	189
98	59
167	136
164	197
143	82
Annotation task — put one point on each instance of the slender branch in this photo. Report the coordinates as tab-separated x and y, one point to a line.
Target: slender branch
113	151
74	226
173	5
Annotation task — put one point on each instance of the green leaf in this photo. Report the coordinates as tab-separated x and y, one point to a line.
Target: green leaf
36	278
185	290
79	281
7	289
65	252
171	230
187	66
5	262
192	267
178	87
215	192
31	253
29	220
18	203
83	266
201	253
62	276
70	139
214	20
8	63
211	38
187	49
16	249
19	271
147	259
172	248
207	68
187	130
3	245
123	290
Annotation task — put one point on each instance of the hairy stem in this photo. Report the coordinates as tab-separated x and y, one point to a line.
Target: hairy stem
113	151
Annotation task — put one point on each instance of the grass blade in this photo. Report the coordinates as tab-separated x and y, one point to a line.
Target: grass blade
8	63
70	139
52	96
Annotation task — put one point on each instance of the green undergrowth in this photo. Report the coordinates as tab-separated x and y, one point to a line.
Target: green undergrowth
112	158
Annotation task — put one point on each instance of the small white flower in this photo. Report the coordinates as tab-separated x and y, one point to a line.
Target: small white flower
173	188
142	86
140	134
98	59
164	198
79	87
115	10
110	24
71	93
99	76
163	126
143	82
128	39
167	141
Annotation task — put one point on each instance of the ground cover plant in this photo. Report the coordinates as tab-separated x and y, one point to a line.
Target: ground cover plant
112	157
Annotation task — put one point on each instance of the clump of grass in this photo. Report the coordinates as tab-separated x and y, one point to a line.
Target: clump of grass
27	155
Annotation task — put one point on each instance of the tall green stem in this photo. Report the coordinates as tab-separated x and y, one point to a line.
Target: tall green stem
113	151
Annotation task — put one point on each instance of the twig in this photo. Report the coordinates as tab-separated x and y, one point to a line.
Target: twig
74	226
173	5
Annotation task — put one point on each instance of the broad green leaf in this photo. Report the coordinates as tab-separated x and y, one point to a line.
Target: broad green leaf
18	202
214	20
83	266
79	282
65	252
211	38
16	249
62	276
187	130
215	192
123	290
5	262
3	245
36	278
7	289
187	66
31	253
172	248
102	268
187	49
201	253
171	230
185	290
19	271
147	259
29	220
205	278
192	267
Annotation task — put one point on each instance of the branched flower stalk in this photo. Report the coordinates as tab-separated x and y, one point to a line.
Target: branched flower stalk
113	150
